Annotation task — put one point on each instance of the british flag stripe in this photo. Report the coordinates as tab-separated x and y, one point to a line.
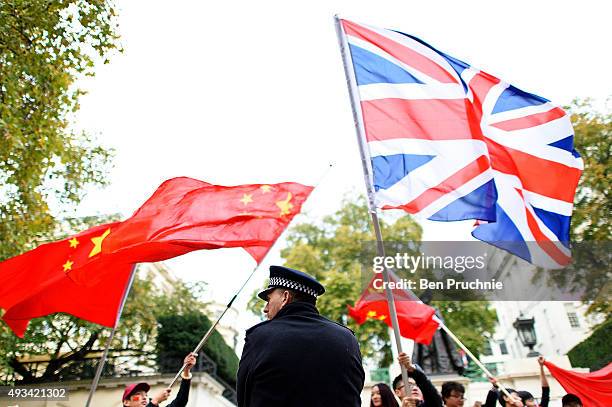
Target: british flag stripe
404	49
370	55
450	142
411	91
432	119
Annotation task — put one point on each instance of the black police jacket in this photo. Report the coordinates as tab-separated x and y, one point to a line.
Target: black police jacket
300	359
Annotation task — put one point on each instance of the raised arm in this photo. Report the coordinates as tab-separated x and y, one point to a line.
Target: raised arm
545	387
492	395
543	379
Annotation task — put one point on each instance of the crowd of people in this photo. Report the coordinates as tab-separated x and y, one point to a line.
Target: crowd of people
298	358
422	393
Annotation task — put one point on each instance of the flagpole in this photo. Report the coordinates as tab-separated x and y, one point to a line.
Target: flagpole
214	325
102	361
229	304
367	174
471	355
368	178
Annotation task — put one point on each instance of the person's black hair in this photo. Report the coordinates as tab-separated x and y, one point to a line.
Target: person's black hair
501	396
302	297
386	396
571	400
448	387
525	395
397	381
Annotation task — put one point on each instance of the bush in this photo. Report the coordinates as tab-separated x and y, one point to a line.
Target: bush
594	352
178	335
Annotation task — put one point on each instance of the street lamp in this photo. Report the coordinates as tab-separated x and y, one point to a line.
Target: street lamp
527	334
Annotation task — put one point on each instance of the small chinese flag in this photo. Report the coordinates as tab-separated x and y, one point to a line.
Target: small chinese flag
416	320
182	215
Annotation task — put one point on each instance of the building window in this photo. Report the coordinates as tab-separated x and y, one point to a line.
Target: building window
502	347
572	316
487	351
573	319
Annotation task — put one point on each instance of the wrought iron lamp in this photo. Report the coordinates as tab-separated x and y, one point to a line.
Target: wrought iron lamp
526	330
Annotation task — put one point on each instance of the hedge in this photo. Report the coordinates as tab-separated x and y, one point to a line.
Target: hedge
594	352
177	335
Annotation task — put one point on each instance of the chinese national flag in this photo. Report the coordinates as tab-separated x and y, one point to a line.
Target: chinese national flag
86	274
594	389
416	320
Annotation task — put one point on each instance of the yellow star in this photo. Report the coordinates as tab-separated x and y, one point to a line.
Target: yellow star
73	242
371	314
265	189
97	241
247	198
68	265
285	206
382	317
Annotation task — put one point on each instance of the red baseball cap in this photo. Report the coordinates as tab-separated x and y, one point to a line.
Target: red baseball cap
133	388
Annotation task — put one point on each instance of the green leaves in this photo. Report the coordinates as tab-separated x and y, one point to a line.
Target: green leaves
592	205
44	48
593	140
595	352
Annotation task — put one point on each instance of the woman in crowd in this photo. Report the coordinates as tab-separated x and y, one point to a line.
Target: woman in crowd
382	396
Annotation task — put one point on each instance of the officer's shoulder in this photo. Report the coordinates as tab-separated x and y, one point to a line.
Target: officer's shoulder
338	324
259	326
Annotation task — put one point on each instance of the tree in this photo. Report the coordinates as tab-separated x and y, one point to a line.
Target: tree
336	252
595	352
45	46
591	217
593	140
179	334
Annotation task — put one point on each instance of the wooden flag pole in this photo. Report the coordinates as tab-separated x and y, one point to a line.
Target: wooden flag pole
367	173
102	361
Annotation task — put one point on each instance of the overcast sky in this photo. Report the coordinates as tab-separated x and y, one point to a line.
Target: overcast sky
254	92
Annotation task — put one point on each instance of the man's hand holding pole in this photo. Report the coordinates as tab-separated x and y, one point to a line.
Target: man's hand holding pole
188	364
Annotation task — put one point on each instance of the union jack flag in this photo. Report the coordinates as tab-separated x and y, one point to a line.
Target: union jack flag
449	142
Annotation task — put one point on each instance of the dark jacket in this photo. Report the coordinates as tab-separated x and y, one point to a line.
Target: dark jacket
300	359
431	397
545	396
181	398
493	397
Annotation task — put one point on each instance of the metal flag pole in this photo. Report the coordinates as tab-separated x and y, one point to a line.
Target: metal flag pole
367	173
229	304
102	362
471	355
214	325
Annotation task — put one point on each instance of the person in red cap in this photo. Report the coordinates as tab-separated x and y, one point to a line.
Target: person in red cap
135	395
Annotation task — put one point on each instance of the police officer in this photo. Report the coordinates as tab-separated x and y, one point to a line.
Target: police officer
297	358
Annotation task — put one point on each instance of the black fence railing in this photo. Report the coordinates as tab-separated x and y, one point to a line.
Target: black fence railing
115	366
204	364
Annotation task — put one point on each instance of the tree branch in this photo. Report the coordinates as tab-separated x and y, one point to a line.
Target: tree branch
56	364
20	368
